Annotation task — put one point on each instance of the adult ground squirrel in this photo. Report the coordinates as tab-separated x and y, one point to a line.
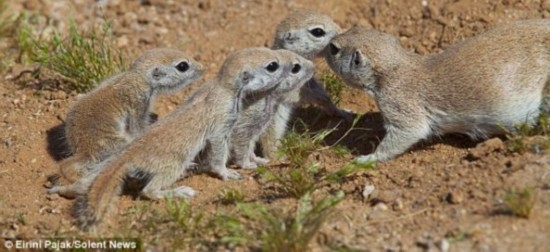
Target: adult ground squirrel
109	117
306	33
157	158
255	119
477	87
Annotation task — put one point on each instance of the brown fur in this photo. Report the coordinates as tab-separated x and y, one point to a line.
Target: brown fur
160	156
295	33
476	87
103	121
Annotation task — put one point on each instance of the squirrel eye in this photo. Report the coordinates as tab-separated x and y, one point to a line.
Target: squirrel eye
296	68
317	32
272	67
182	66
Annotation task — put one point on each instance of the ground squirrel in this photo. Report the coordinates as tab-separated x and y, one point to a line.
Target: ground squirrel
109	117
157	158
255	119
306	33
478	87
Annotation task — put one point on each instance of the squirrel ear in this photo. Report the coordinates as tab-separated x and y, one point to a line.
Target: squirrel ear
358	58
334	48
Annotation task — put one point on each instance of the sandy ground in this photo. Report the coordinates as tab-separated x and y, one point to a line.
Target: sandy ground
443	192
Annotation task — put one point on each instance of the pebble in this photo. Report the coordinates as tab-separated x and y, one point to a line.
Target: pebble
454	197
381	207
444	245
367	191
8	142
122	41
58	95
485	148
52	197
397	205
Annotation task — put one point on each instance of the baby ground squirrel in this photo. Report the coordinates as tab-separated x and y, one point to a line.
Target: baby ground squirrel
157	158
255	119
106	119
306	33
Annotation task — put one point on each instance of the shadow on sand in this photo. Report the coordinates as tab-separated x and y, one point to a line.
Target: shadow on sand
367	133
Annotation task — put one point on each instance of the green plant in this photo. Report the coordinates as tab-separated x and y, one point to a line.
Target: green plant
347	170
21	218
231	196
521	139
283	232
9	24
296	147
179	212
184	227
6	20
294	183
83	59
460	236
520	202
301	179
333	85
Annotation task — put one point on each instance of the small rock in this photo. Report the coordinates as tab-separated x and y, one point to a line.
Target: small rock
377	214
444	245
122	41
425	243
58	95
8	142
397	205
485	148
52	197
385	196
55	211
367	191
407	31
147	37
454	197
162	31
380	207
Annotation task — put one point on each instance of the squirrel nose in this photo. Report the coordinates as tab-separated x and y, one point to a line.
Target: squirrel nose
290	38
296	68
158	73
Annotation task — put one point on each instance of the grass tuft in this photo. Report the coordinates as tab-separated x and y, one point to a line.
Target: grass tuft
297	147
82	58
301	181
520	202
9	25
333	85
295	183
283	232
6	20
231	196
522	139
303	177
